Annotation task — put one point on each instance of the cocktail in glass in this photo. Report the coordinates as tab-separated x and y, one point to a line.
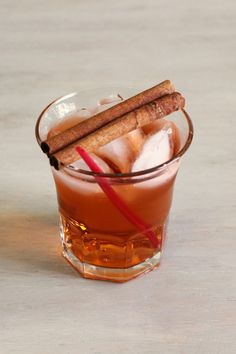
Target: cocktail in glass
97	239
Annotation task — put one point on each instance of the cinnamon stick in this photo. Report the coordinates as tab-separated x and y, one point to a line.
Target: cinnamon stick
80	130
156	109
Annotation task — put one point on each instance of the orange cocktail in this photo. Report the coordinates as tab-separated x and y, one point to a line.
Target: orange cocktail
98	240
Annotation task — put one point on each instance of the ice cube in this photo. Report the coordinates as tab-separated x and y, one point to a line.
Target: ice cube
121	153
156	150
117	154
157	125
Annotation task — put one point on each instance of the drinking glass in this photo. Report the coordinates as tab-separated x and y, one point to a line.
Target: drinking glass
97	239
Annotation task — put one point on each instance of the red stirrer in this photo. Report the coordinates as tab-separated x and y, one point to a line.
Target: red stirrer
116	200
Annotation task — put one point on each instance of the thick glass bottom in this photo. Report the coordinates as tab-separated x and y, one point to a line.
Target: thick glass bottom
111	274
109	256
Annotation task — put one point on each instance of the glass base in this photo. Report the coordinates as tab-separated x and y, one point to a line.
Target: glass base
119	275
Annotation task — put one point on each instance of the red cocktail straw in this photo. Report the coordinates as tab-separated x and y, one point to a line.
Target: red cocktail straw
140	224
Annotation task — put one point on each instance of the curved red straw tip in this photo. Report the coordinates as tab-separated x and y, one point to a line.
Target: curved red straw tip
103	182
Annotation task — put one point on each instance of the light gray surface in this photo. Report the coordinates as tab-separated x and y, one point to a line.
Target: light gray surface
187	306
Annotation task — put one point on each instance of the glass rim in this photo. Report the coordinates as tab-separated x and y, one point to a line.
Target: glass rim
159	167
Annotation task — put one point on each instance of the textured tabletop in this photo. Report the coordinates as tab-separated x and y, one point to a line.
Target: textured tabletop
188	305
